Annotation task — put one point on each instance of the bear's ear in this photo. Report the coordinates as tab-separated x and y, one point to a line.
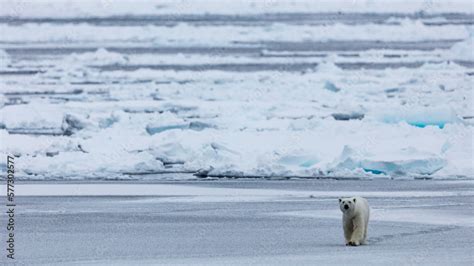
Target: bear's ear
354	200
340	200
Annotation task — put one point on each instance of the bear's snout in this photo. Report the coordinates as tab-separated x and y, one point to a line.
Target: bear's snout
346	207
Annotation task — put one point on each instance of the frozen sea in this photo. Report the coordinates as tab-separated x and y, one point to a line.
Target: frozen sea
241	222
223	132
97	90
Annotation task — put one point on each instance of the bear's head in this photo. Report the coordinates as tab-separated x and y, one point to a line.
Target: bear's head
347	204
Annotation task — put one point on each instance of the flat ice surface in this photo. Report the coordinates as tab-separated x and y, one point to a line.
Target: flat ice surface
240	222
335	89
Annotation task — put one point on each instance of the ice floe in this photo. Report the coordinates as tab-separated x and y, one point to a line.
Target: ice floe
385	94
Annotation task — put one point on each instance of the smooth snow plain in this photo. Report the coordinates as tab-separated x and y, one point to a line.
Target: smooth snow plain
241	222
274	89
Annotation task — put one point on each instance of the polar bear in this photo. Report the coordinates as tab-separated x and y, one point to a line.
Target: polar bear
355	219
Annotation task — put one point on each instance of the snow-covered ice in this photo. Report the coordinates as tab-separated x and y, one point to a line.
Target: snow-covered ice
242	222
95	90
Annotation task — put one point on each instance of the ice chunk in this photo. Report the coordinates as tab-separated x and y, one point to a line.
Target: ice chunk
72	124
405	162
420	116
331	87
109	121
99	57
198	126
424	166
152	130
394	90
66	165
349	116
170	152
35	115
165	121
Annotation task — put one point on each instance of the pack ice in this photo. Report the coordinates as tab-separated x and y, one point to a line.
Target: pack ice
281	90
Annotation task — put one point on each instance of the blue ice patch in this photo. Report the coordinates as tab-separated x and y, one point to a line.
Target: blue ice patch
197	126
422	124
155	130
422	117
331	87
374	171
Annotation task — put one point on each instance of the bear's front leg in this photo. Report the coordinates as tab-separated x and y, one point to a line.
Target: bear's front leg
348	227
358	232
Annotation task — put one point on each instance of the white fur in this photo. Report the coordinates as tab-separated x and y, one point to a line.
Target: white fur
355	220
